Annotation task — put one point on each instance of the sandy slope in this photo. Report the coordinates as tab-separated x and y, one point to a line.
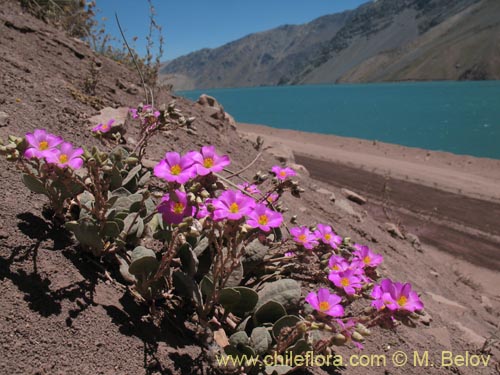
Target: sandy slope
470	176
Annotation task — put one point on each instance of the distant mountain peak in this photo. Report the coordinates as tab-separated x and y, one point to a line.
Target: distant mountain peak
382	40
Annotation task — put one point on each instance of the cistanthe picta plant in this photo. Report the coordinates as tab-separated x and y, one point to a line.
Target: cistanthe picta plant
225	255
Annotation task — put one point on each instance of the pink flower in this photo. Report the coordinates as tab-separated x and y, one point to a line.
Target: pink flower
366	256
304	237
104	128
289	254
326	302
67	156
203	209
338	263
174	208
271	198
252	189
395	296
348	280
41	144
232	205
264	218
283	173
327	236
134	113
208	161
175	168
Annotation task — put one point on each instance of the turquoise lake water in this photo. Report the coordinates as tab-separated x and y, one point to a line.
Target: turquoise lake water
459	117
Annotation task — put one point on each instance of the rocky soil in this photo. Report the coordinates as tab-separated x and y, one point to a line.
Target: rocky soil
60	313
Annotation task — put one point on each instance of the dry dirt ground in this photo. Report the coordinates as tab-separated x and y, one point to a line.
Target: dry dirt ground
60	315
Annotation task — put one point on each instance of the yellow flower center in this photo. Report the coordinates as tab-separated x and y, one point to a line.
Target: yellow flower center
283	174
302	238
175	169
234	208
104	126
328	236
63	158
208	162
367	260
43	145
178	208
263	219
324	306
402	301
344	281
336	267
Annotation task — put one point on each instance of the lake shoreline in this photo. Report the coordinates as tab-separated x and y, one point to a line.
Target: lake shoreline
461	174
452	202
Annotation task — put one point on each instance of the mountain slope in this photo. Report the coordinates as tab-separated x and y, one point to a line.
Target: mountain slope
464	47
386	40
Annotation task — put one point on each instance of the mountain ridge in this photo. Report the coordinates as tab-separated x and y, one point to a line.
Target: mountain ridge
341	48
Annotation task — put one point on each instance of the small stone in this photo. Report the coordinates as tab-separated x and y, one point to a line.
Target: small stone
486	303
133	90
4	119
393	230
414	240
208	101
352	196
426	318
4	234
434	273
332	197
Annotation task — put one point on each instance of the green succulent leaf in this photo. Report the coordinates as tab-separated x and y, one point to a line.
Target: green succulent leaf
111	229
229	298
87	233
133	172
207	286
248	300
144	179
34	184
187	287
143	262
269	312
115	178
188	258
127	276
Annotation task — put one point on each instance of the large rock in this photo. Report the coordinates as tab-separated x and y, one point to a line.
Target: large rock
281	153
118	114
208	101
352	196
394	230
300	169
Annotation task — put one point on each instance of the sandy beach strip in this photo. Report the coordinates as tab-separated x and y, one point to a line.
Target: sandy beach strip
461	174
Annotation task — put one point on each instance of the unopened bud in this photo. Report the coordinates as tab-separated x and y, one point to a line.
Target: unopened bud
339	339
361	328
358	337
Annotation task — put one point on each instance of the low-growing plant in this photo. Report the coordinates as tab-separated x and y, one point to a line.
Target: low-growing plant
190	239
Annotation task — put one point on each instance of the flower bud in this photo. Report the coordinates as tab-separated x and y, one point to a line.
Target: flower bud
339	339
361	328
356	336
